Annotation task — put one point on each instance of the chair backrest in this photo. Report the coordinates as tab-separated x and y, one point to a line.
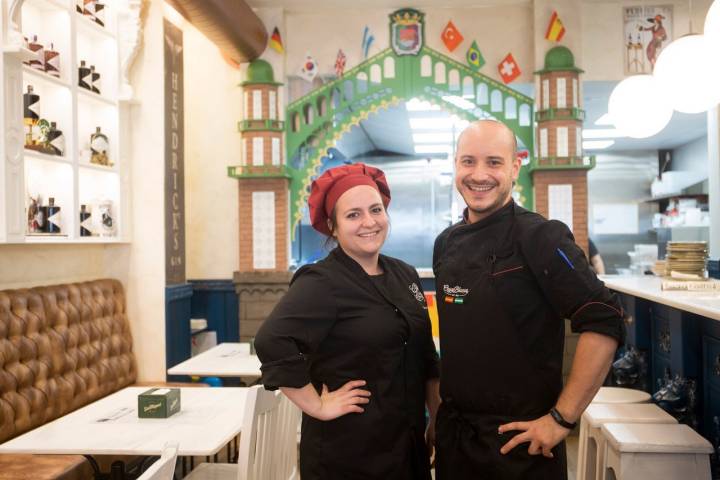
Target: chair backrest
287	441
265	452
164	467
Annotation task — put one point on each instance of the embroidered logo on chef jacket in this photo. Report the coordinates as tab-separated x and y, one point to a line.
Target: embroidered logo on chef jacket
415	290
455	294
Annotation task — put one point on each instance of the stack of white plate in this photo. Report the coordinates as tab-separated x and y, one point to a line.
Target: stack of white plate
686	258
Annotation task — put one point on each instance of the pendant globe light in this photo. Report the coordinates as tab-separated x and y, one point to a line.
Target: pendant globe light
638	108
688	72
712	26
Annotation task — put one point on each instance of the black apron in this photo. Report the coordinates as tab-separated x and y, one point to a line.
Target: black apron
492	373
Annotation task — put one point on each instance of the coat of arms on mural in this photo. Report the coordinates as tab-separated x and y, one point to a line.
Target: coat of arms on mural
406	31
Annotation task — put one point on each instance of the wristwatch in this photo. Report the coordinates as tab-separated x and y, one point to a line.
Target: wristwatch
557	416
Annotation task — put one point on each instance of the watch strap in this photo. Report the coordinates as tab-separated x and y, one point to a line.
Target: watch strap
560	420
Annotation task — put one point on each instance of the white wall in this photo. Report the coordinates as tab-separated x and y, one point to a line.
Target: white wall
692	157
213	108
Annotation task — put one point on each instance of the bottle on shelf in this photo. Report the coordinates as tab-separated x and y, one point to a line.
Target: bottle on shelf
84	76
99	146
100	13
52	61
55	140
107	225
94	80
38	63
31	115
89	9
35	216
26	45
53	217
85	222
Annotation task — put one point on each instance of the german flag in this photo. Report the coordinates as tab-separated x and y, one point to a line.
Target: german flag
276	41
556	29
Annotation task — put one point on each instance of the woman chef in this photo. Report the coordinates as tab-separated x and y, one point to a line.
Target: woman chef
350	342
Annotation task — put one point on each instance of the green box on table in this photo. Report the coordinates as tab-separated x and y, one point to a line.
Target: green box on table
159	403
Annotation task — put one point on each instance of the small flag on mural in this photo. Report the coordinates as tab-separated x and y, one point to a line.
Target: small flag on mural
276	41
340	63
556	29
474	57
451	36
367	41
508	69
309	69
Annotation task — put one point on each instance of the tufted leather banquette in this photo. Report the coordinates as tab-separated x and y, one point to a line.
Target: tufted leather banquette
61	347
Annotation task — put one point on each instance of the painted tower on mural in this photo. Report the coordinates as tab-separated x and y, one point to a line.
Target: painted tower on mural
559	169
262	176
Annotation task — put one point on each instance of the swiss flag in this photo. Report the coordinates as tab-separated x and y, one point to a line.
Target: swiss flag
508	69
451	36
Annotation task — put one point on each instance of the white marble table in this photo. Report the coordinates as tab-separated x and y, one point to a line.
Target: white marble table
224	360
706	304
208	420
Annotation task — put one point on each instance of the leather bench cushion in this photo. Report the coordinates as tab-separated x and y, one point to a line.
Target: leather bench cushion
61	347
44	467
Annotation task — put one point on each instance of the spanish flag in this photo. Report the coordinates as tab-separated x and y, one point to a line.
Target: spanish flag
556	29
276	41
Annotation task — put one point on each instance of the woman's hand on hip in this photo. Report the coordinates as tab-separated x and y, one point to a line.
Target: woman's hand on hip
344	400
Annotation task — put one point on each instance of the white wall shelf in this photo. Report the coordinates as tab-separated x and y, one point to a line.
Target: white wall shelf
70	179
33	75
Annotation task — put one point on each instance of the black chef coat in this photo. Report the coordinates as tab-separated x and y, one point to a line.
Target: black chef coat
337	324
505	284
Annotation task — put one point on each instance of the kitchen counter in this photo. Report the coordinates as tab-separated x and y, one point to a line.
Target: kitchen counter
706	304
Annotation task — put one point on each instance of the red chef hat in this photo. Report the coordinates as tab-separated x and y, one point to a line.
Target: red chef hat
328	187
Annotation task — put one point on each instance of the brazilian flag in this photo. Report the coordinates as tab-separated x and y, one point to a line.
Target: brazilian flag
474	57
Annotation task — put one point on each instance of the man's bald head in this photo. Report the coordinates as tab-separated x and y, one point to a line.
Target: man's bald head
493	125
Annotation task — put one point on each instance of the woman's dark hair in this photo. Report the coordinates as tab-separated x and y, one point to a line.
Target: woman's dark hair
330	241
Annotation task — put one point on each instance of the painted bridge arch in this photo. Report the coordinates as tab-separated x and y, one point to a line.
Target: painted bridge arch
316	121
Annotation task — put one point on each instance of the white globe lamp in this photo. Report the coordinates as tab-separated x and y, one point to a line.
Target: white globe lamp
637	107
712	26
688	72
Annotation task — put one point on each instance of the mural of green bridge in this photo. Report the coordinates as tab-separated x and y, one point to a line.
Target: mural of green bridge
315	122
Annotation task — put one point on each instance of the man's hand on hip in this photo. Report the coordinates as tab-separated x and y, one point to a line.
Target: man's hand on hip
542	434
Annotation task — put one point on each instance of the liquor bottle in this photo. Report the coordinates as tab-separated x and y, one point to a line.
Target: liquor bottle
31	115
85	222
53	217
100	13
35	217
94	79
38	63
89	9
99	146
55	140
84	76
26	44
107	225
52	62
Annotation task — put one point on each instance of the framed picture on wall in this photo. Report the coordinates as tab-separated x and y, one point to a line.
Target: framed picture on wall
647	30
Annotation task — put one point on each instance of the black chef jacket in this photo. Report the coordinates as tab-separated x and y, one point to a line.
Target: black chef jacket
337	324
505	284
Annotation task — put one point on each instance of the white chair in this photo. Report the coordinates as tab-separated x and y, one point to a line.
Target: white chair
267	448
606	395
639	451
620	395
164	467
591	449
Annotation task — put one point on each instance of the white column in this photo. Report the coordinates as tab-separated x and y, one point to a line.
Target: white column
714	180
